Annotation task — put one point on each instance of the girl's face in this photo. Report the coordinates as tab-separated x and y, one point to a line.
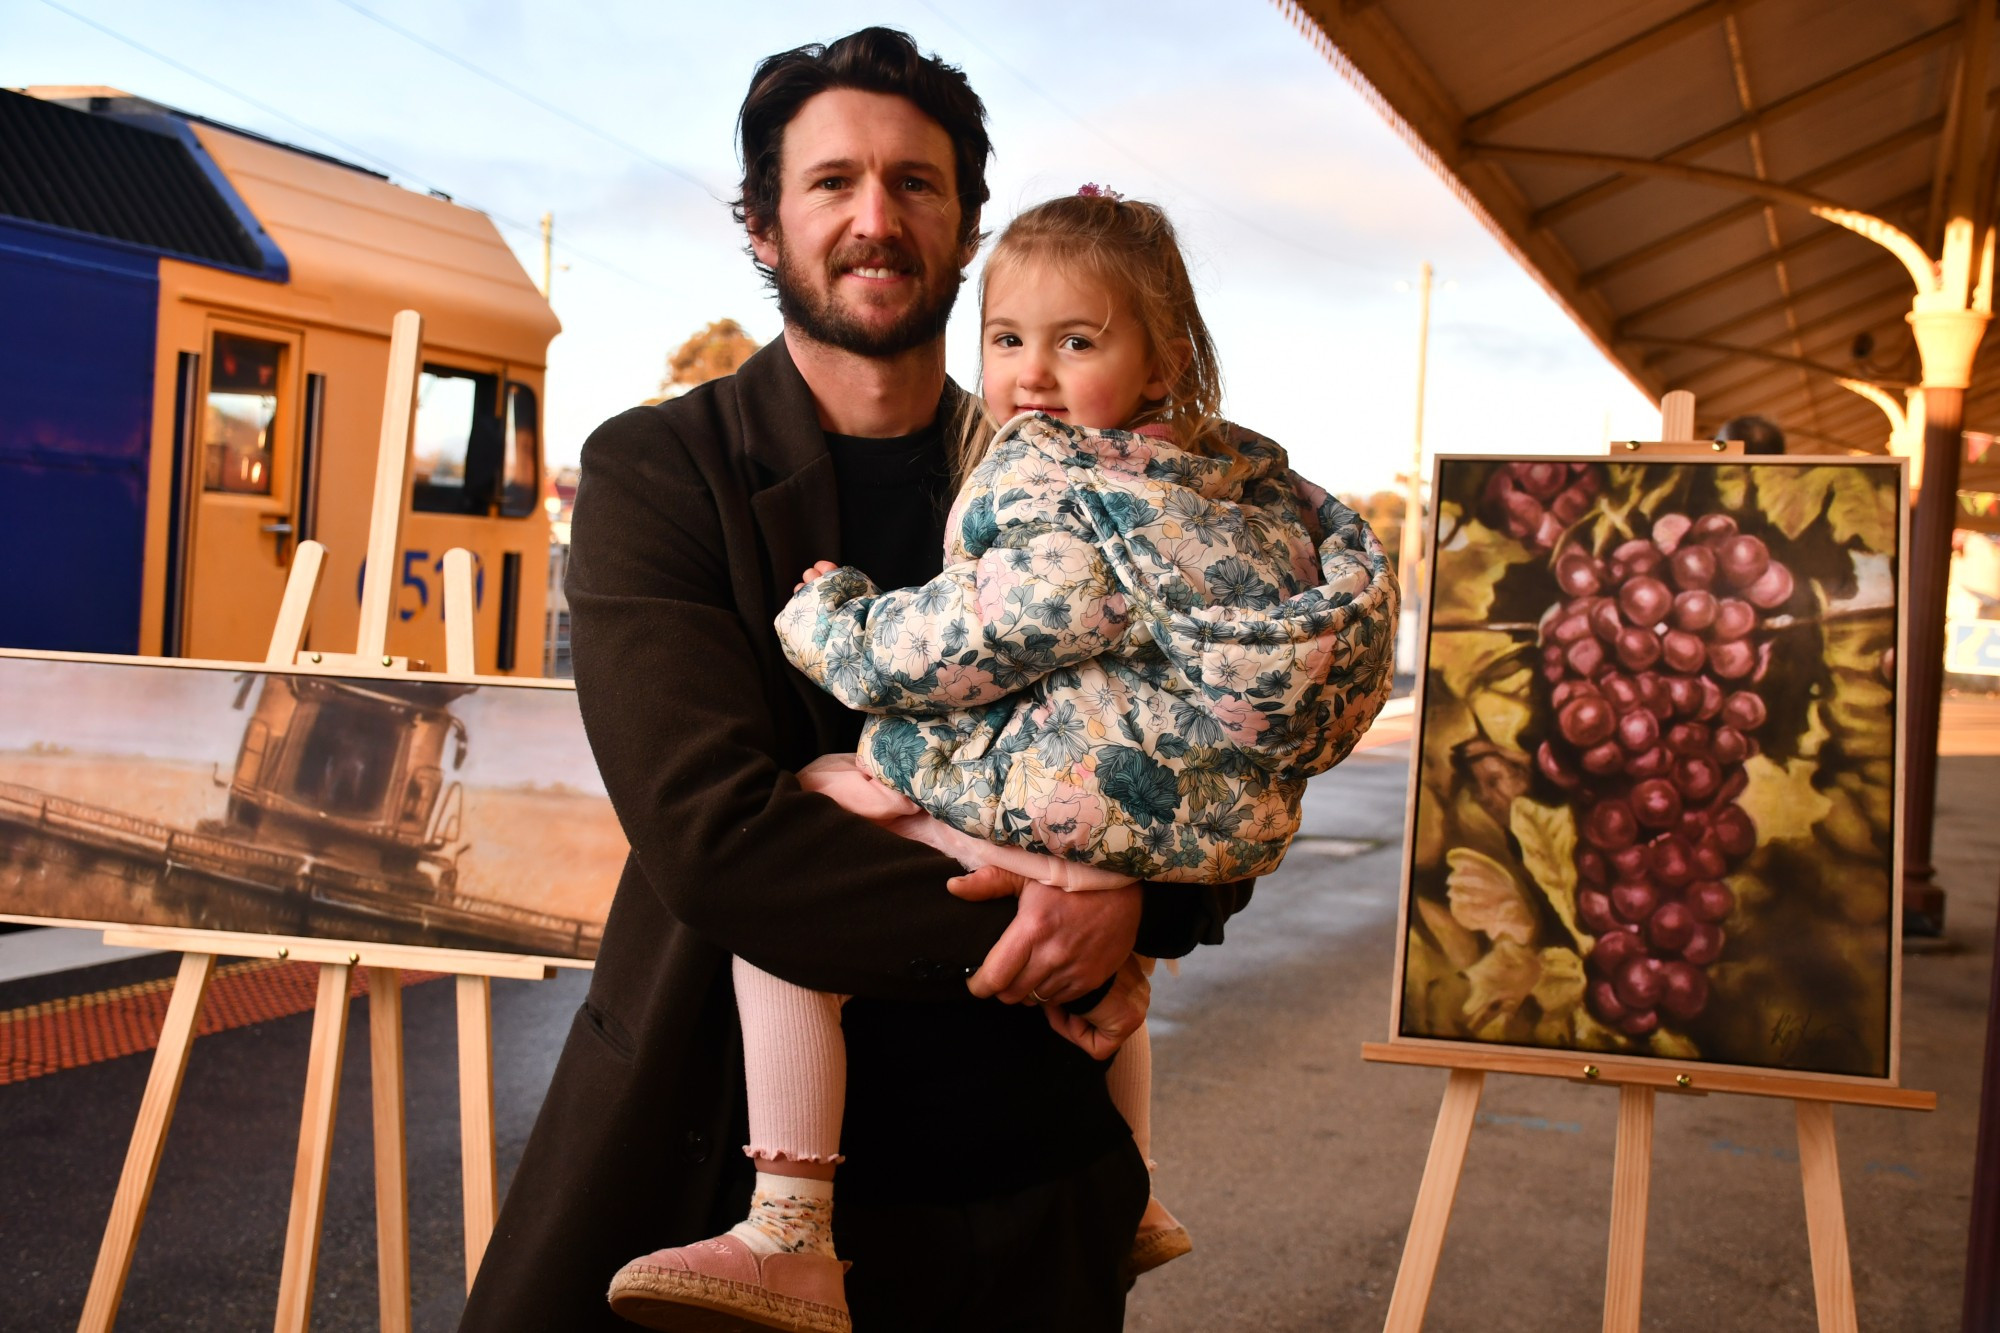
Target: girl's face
1060	342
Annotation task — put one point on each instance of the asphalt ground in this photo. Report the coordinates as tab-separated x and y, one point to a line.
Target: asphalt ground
1293	1162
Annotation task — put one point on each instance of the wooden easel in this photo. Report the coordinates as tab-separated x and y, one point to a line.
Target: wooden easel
1637	1081
1813	1098
337	960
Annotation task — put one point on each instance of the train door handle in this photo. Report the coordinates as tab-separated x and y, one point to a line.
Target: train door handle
282	527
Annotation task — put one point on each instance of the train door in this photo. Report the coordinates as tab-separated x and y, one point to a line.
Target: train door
242	489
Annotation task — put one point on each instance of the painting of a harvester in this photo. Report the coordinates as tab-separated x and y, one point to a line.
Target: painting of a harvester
442	813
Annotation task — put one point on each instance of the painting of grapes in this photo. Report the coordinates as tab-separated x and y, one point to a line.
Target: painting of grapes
1654	799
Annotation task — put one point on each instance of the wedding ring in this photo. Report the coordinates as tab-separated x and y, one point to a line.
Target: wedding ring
1037	996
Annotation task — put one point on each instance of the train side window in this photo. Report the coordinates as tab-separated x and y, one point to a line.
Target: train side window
458	441
241	410
520	488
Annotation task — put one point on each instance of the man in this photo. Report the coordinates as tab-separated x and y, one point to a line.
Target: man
989	1182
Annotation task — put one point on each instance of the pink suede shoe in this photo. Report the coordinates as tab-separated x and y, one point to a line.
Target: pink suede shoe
1161	1239
723	1286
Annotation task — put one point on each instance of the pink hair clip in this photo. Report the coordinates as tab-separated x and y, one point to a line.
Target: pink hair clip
1092	190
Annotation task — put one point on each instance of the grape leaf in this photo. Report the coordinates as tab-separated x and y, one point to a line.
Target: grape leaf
1467	571
1782	801
1793	497
1591	1035
1504	708
1430	830
1477	828
1461	658
1423	968
1447	724
1659	495
1732	485
1673	1046
1501	981
1560	986
1864	508
1485	897
1458	943
1501	718
1548	852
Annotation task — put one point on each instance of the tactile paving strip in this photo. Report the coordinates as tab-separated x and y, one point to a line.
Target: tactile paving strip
79	1030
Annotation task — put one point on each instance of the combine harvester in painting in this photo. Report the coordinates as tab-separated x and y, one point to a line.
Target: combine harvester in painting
340	822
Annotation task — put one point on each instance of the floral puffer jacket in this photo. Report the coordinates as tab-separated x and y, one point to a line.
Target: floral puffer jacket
1135	656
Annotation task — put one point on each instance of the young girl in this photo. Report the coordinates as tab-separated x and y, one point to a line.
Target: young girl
1149	633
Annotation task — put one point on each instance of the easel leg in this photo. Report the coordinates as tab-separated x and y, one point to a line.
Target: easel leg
392	1180
1631	1182
302	1231
1434	1196
149	1139
1826	1218
475	1117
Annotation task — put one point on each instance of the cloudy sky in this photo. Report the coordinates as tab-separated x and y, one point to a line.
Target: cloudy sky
1302	212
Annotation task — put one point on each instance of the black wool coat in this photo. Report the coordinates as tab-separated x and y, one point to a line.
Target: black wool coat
693	519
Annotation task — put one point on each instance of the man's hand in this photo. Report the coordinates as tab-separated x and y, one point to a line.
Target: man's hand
1060	945
1117	1016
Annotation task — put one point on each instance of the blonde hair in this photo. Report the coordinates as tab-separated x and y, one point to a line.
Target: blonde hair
1130	248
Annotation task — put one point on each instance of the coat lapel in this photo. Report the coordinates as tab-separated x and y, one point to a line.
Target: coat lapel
794	500
795	497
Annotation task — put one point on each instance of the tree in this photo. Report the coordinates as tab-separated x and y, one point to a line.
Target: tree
714	352
1384	513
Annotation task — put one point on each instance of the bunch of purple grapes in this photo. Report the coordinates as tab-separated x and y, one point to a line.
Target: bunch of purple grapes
1534	502
1652	670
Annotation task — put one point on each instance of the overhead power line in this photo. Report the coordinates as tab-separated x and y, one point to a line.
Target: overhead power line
352	150
1036	87
534	99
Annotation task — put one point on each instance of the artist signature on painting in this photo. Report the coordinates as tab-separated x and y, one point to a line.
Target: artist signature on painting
1793	1033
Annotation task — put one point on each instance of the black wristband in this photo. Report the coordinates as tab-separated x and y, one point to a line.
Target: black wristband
1083	1004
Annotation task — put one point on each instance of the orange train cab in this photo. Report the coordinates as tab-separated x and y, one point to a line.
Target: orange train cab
206	315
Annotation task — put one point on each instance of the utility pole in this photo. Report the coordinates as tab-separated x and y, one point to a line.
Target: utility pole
1413	493
548	239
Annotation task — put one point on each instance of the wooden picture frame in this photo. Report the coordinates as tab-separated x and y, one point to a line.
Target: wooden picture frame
391	872
1450	476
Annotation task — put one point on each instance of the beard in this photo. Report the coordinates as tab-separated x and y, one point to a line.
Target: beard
818	314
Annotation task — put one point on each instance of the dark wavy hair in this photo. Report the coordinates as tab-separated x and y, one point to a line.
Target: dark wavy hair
873	60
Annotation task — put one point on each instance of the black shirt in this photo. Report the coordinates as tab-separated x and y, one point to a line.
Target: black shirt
978	1099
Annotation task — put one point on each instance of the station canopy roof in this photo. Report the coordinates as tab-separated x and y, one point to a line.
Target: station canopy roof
1755	307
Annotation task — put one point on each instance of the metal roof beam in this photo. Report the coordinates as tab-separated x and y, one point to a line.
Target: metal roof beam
1846	422
1853	447
1696	291
1790	105
1900	295
1777	307
1844	315
1739	349
1606	62
1796	192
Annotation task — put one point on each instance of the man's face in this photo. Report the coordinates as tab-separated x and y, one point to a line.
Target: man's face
865	247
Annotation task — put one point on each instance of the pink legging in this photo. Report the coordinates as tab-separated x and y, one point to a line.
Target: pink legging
795	1067
794	1055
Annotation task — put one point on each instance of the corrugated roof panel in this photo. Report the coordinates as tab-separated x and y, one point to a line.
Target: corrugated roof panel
95	175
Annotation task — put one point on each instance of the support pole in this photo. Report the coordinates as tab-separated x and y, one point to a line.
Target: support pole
309	1176
392	1176
1948	320
1826	1218
475	1113
1433	1211
1412	545
1982	1249
1631	1187
149	1140
1930	572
